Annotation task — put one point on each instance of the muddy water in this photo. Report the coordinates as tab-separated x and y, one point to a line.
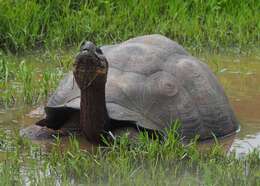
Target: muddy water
14	120
240	77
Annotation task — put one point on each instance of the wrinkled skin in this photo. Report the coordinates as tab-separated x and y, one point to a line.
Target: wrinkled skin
90	73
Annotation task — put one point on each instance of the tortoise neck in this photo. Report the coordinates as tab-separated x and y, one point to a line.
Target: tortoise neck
93	112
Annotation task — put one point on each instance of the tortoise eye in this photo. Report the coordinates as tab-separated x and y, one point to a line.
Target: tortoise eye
99	51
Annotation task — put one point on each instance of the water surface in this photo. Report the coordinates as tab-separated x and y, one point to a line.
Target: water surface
240	77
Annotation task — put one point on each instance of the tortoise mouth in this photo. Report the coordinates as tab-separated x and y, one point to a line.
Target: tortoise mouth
101	71
87	67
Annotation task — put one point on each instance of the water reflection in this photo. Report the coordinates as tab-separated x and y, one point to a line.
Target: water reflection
247	144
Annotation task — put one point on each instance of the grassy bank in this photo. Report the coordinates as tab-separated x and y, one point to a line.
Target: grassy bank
151	162
214	25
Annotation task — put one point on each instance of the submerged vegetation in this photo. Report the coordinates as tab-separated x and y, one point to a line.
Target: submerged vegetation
197	24
146	162
31	79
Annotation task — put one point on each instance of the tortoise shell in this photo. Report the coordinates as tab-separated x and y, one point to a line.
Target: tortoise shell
153	81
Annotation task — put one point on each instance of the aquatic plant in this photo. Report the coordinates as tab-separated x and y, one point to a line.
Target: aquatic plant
26	82
122	162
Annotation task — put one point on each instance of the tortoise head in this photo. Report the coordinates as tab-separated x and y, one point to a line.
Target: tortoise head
90	65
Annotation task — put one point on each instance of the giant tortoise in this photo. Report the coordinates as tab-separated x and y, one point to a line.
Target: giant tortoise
147	82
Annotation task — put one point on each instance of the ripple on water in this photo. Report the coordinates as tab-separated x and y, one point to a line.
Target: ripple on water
247	144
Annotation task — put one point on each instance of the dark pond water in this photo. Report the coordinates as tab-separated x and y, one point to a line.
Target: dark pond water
240	77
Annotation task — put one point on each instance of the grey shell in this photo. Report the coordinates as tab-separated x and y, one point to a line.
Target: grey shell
153	81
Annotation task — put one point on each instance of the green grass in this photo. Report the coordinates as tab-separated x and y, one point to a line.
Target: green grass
146	162
214	25
28	76
30	29
31	79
